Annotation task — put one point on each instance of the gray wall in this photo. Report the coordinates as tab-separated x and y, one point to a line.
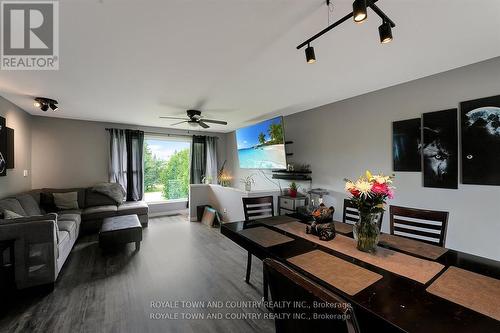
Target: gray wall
345	138
69	153
20	121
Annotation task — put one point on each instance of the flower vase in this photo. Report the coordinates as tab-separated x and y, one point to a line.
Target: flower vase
248	187
366	231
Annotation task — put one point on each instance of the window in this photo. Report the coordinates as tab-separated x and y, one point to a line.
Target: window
166	168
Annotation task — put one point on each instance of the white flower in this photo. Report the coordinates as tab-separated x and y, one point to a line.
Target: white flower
381	179
363	186
349	185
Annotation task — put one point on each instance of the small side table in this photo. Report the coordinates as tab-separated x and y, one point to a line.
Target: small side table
289	205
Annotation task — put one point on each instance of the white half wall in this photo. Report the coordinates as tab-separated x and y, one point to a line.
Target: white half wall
226	200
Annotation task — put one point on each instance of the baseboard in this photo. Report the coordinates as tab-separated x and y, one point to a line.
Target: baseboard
168	213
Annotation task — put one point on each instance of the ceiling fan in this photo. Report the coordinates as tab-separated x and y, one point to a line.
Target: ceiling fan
195	119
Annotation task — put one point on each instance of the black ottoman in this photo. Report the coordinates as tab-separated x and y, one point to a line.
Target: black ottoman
120	230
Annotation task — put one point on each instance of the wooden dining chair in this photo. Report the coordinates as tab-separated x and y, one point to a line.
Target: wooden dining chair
304	295
351	214
257	208
427	226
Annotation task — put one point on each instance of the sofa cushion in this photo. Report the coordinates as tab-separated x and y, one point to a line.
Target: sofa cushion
93	199
67	200
70	217
68	226
62	236
70	211
98	212
13	205
29	204
133	207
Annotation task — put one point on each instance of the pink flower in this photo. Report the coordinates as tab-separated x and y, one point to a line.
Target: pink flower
382	189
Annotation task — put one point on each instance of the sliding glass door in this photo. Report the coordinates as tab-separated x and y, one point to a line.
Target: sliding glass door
166	168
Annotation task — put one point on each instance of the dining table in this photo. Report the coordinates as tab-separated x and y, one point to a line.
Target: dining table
404	286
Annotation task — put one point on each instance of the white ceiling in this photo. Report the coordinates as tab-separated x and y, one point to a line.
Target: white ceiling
132	61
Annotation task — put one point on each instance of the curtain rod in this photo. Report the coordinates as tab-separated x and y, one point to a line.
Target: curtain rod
165	134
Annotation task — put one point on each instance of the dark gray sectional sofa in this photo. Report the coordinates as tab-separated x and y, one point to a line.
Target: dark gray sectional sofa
43	240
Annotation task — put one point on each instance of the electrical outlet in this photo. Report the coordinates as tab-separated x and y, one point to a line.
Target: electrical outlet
25	173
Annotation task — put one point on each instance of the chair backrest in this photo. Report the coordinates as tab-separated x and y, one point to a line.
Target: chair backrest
258	207
296	295
423	225
351	214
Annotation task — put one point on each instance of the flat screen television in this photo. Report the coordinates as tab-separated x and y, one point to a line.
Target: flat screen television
262	146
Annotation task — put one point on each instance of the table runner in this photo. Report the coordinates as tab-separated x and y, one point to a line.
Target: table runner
343	228
412	246
471	290
265	237
275	220
339	273
416	269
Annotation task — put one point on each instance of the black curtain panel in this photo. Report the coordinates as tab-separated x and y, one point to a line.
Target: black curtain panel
198	158
135	171
126	161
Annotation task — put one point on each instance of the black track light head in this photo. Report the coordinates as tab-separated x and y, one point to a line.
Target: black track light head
359	12
385	32
310	56
44	103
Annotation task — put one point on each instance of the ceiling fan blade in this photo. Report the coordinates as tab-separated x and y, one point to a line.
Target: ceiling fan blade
168	117
180	122
220	122
202	124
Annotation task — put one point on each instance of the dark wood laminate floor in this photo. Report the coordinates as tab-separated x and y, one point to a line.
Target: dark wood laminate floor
178	261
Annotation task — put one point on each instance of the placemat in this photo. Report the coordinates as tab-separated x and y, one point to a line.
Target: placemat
420	270
275	220
343	228
339	273
265	237
471	290
412	246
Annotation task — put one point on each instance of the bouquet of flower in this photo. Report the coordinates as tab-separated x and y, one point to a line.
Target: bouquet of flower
370	192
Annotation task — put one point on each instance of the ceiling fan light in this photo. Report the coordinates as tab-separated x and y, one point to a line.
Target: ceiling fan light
37	104
310	56
192	123
359	12
44	107
385	32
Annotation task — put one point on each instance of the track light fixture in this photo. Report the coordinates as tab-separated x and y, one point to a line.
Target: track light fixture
385	32
310	56
359	11
359	14
44	103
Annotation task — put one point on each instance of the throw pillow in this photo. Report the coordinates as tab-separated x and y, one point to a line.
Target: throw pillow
47	202
68	200
8	214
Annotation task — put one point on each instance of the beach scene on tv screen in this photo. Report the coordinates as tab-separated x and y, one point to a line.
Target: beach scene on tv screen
262	145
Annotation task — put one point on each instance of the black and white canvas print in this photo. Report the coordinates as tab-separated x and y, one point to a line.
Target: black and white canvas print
3	147
440	149
406	137
481	141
